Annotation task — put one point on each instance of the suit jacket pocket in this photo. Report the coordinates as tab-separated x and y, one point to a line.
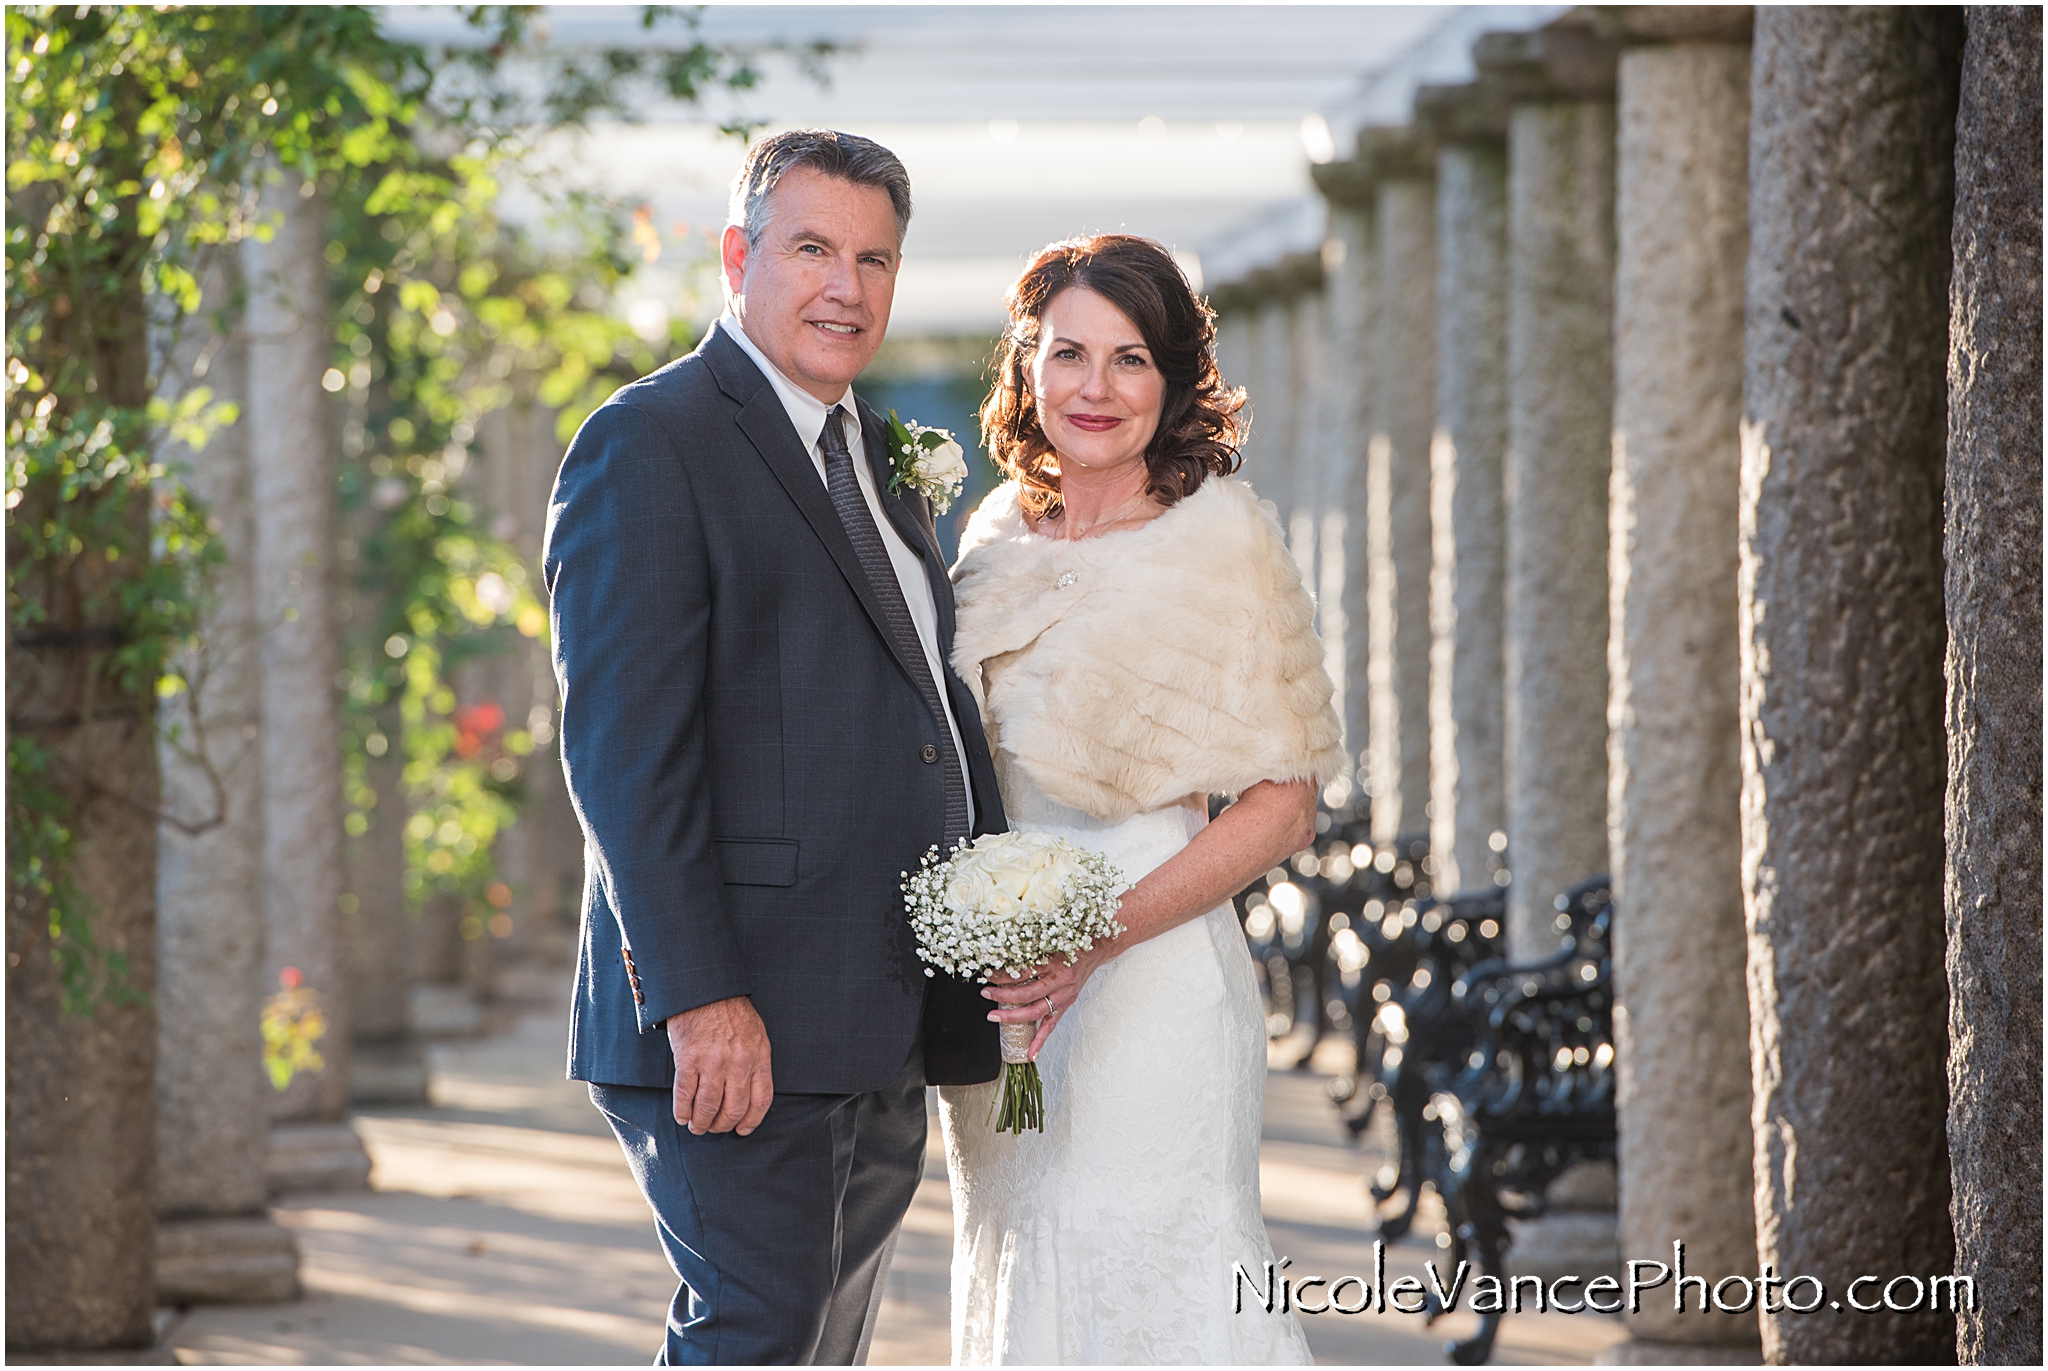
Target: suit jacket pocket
757	861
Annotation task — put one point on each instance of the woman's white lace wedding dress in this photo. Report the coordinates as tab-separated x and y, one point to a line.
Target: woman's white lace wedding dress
1114	1236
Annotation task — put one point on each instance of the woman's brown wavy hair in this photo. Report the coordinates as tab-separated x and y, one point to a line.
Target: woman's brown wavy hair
1199	426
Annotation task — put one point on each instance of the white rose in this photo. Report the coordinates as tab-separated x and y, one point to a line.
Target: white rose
1002	905
969	890
945	464
1011	878
1004	871
1046	890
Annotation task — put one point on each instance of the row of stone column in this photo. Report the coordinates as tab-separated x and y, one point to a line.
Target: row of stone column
1280	332
250	878
1653	337
275	890
247	858
261	895
1892	365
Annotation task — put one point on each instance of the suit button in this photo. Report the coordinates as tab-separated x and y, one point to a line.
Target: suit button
928	753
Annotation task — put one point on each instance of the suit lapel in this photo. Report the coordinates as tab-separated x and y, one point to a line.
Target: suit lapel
911	514
766	423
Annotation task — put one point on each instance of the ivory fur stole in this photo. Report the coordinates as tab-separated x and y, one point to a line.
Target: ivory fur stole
1125	672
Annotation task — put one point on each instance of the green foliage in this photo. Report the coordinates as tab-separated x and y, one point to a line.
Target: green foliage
443	317
614	81
107	110
293	1024
137	142
40	847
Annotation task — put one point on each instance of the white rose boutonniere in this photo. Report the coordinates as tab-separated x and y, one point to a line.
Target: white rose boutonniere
927	460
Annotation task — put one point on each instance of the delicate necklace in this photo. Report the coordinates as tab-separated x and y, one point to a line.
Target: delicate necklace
1116	516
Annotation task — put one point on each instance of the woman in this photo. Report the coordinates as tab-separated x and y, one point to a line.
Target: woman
1139	639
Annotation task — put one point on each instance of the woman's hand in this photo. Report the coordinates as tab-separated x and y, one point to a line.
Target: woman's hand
1046	992
1269	823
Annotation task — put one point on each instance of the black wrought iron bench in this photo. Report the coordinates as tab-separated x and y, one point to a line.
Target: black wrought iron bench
1292	914
1535	1095
1411	1032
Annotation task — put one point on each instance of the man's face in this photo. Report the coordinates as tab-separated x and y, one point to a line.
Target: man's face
814	294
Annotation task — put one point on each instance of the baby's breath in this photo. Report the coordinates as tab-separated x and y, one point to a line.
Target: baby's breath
1030	897
977	943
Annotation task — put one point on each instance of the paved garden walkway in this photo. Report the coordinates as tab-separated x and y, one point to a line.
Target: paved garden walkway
502	1227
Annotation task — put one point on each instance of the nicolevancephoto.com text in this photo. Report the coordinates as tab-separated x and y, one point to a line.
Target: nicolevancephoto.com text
1272	1289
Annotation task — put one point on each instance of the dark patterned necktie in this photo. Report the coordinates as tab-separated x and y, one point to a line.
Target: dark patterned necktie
859	523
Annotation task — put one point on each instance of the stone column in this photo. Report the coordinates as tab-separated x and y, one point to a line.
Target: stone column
1241	305
556	871
80	1009
294	488
515	462
1467	716
1311	433
1350	376
1324	450
388	1062
1332	460
216	1242
1993	554
1275	403
1674	831
1560	81
1397	458
1351	261
1560	410
1304	480
1852	132
1233	347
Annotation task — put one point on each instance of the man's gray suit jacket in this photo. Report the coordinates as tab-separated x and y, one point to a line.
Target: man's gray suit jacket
752	765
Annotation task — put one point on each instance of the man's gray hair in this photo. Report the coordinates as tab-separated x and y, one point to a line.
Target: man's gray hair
847	156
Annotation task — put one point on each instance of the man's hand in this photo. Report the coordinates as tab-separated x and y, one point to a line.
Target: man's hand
723	1084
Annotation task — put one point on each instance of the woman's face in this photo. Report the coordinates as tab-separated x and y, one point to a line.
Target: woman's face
1097	390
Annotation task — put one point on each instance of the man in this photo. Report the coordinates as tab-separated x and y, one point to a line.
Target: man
761	734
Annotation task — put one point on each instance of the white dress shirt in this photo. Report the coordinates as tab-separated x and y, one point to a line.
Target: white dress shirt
807	416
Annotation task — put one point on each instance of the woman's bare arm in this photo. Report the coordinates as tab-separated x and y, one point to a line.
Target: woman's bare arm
1270	822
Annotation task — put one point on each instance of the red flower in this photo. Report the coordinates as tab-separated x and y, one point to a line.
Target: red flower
474	724
482	717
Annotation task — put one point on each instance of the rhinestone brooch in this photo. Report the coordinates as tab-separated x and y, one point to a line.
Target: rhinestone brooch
1066	579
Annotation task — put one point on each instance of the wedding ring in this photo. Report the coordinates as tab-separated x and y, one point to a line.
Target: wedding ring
1050	1007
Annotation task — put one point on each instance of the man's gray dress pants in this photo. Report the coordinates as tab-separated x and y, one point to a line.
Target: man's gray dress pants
781	1239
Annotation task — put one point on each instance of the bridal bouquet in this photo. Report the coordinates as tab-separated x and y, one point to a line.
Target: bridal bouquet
1008	902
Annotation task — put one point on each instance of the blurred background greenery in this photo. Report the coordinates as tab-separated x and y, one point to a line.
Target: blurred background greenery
521	210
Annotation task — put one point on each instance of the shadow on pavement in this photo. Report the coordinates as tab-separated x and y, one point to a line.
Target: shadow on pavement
503	1227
